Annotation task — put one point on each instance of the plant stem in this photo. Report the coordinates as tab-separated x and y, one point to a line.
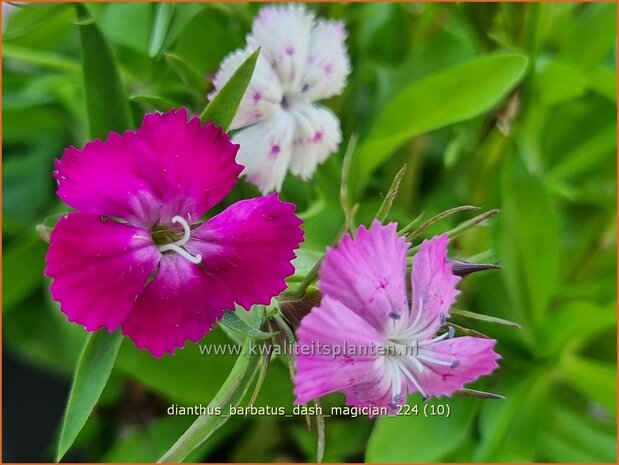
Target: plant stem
231	393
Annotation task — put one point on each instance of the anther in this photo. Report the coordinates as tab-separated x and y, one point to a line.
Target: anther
176	246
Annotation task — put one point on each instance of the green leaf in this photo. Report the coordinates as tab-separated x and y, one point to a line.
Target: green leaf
576	436
106	103
567	326
188	75
465	392
558	82
481	317
592	153
529	240
510	429
599	25
24	261
230	394
146	443
223	107
159	103
232	321
93	370
430	222
594	379
385	207
49	60
163	19
413	438
444	98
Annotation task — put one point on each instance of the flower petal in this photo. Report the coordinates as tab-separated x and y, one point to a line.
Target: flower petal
470	358
265	152
180	303
263	95
246	253
328	65
328	328
433	284
284	32
169	166
248	248
99	267
367	274
317	135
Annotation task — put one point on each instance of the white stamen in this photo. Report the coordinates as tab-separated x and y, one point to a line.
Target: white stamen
436	339
410	376
176	246
411	328
416	362
436	361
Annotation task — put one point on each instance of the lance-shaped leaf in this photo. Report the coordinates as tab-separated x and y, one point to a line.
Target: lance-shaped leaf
465	392
224	106
385	207
106	102
93	370
163	19
462	331
425	226
108	110
231	394
444	98
478	316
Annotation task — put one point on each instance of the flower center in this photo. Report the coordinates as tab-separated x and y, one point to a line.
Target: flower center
168	240
407	354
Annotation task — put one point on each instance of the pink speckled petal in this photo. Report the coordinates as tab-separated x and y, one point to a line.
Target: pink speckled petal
367	274
317	135
328	65
433	284
169	166
265	152
181	303
99	267
283	32
331	327
248	248
470	358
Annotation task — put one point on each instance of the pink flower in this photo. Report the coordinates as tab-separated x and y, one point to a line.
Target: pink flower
281	127
136	254
391	348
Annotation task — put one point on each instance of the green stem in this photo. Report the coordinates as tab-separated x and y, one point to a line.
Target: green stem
231	393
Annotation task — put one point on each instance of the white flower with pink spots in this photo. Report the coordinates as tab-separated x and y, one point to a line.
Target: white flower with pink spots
302	60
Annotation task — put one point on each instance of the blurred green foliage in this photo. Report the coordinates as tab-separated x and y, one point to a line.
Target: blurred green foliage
531	131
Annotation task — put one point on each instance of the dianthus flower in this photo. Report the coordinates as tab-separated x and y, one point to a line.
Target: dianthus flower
135	254
301	61
365	305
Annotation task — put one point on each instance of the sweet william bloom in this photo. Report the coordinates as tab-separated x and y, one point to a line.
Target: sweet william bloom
135	253
301	61
396	347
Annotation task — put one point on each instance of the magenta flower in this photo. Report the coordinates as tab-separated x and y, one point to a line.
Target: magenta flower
390	348
136	254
